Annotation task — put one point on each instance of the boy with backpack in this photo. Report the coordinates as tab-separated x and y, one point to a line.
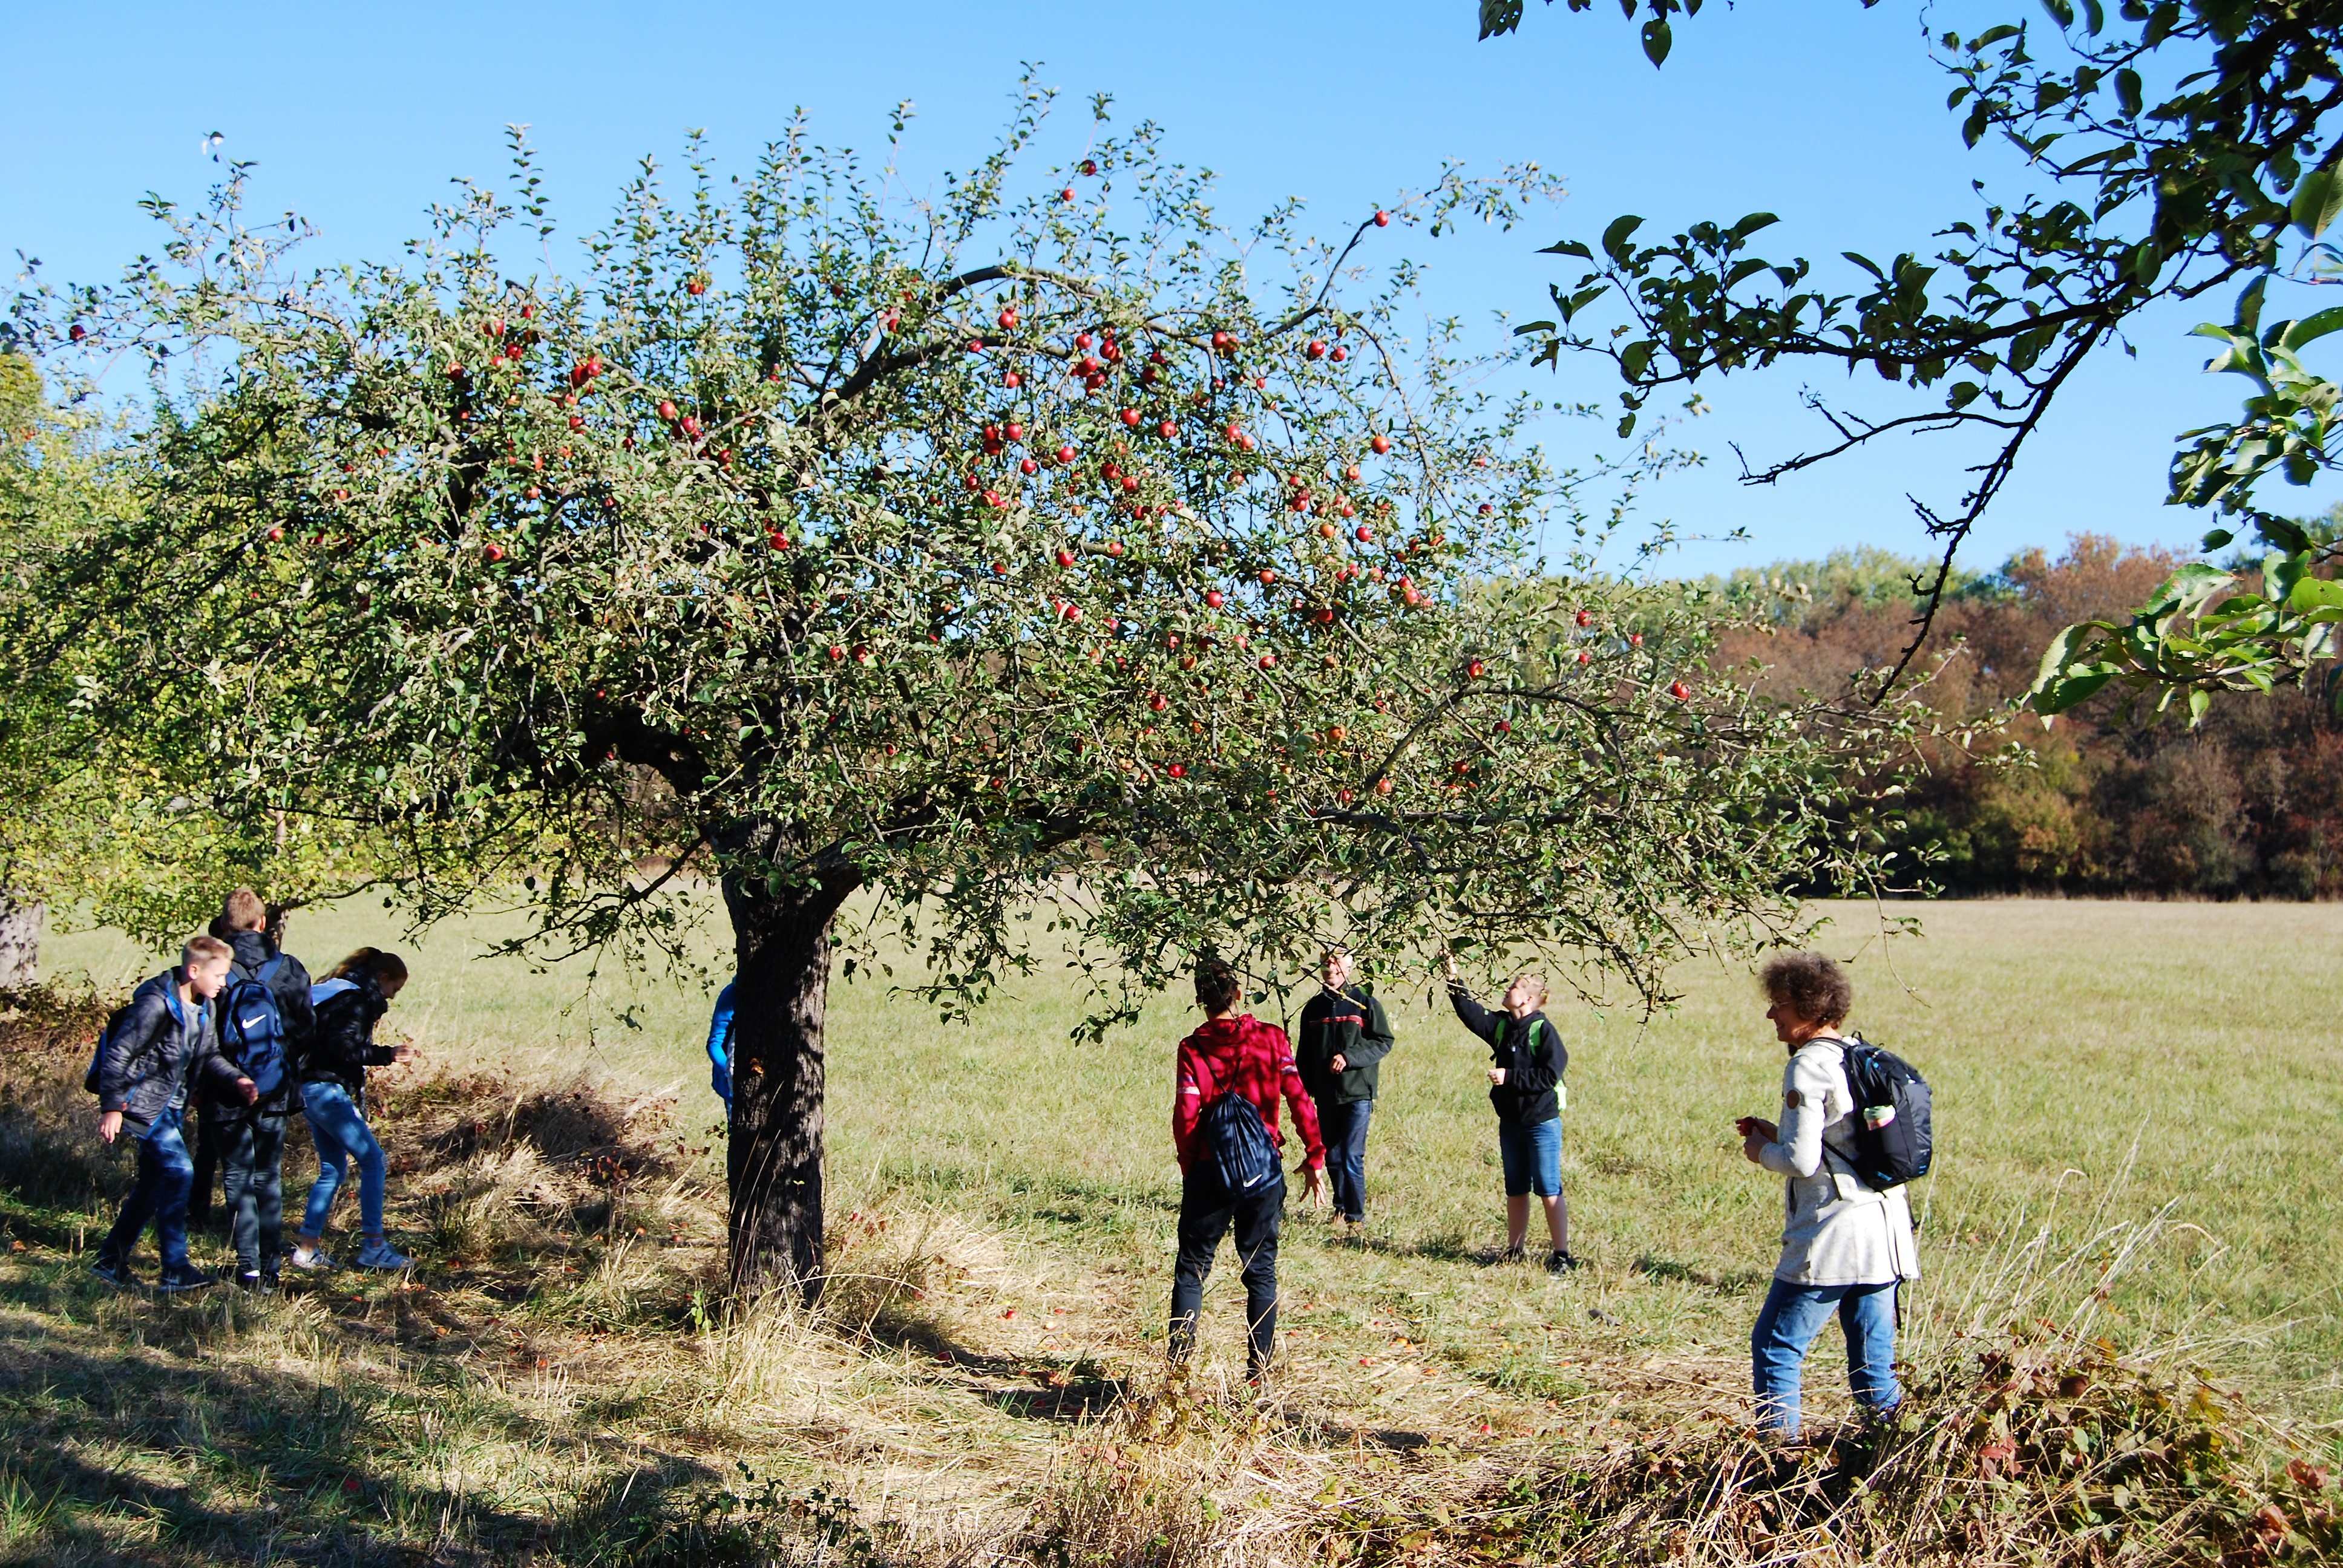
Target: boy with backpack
1847	1234
152	1050
265	1028
1343	1037
1527	1061
1229	1076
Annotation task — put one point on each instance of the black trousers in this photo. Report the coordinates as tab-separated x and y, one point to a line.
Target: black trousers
1206	1214
252	1157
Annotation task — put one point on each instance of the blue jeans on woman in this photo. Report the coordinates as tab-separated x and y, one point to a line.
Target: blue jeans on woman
342	1136
1786	1325
1532	1157
1344	1128
166	1174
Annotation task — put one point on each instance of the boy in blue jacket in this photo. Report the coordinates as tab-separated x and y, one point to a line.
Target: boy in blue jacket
167	1038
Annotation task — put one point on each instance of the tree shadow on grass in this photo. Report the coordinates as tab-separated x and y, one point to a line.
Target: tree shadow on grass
135	1435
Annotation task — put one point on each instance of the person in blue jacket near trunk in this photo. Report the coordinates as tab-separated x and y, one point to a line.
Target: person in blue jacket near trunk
719	1044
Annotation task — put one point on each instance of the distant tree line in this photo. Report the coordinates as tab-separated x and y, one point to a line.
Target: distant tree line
2115	798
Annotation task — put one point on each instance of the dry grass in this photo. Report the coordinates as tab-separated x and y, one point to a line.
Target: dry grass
2119	1202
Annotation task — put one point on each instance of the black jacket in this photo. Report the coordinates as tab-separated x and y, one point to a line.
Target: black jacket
1349	1023
1530	1050
290	986
343	1047
160	1047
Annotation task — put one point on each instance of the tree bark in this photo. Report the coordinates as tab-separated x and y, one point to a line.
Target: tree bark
781	942
21	920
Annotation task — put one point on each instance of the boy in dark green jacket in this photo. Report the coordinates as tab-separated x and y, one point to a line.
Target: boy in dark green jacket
1342	1040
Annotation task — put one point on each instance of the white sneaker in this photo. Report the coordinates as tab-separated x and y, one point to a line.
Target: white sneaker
312	1259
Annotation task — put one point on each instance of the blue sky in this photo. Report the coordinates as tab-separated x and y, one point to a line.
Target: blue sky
1818	110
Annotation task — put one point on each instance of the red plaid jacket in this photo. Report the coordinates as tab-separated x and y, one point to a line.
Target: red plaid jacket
1255	1059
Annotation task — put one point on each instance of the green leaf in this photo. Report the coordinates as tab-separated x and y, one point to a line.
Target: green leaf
1657	40
2316	200
2216	537
2314	594
2199	700
2312	327
2061	12
1614	238
2128	95
1751	224
1499	17
1576	247
1636	359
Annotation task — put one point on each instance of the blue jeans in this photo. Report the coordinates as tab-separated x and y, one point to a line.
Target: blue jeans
1532	1158
254	1188
1786	1325
1344	1127
166	1174
342	1136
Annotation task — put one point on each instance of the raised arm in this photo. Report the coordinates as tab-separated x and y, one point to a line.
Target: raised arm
1471	1013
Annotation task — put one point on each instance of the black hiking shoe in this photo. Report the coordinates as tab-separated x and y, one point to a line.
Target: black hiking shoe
1560	1261
253	1283
1513	1255
113	1272
185	1278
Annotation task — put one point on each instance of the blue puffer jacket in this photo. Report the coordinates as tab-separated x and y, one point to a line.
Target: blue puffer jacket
161	1047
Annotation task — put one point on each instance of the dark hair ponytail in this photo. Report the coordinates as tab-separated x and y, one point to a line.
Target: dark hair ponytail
384	967
1217	988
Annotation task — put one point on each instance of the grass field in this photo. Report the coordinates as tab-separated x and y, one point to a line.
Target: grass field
2153	1086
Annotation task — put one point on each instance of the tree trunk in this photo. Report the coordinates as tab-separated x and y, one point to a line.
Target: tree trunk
20	938
781	938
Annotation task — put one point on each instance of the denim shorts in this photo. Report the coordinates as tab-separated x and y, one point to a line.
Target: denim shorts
1532	1158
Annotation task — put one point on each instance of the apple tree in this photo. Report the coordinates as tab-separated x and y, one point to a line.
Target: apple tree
1075	578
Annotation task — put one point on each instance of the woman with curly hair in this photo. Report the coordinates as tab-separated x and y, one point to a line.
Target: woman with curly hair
1846	1247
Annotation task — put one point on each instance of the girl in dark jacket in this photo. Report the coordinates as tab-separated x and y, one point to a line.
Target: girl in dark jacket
332	1094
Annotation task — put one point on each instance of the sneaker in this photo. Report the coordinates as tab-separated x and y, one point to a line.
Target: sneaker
114	1272
253	1283
1560	1262
380	1254
312	1259
1513	1255
185	1277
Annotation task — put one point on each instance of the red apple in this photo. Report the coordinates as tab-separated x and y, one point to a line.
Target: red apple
667	412
1065	558
1268	661
1267	577
1315	348
836	652
698	285
1364	535
1028	466
1114	548
1327	530
1339	353
1011	380
1090	166
276	535
1167	429
494	553
1476	669
1008	318
1215	599
1587	618
1130	417
1066	195
1634	639
1222	342
1157	701
1383	220
1177	770
1383	786
1584	656
1381	443
1336	733
1679	691
1486	508
1013	430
